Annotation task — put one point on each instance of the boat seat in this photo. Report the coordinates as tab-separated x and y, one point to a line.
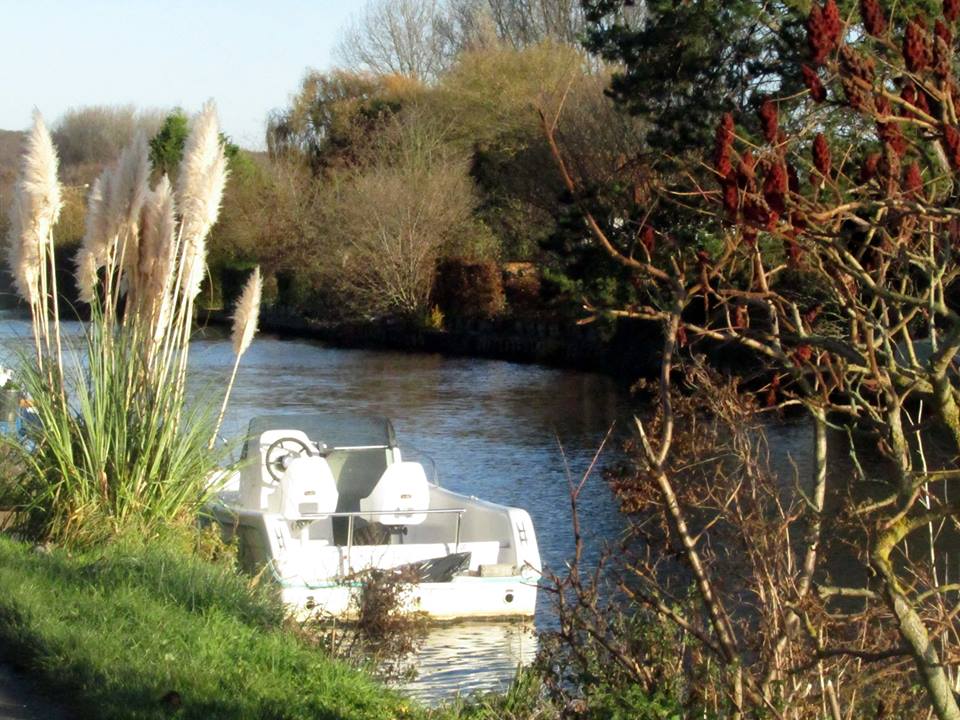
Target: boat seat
402	490
307	492
307	488
257	489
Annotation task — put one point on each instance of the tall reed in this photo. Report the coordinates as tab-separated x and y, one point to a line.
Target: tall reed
115	446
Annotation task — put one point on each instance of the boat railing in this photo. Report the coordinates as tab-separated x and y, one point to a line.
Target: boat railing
354	514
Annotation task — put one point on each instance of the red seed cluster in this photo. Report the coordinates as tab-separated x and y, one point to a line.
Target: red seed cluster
775	185
951	139
731	196
648	238
768	120
941	30
892	137
793	252
889	171
831	19
723	142
758	215
951	10
873	19
812	80
913	181
941	57
823	30
916	97
821	155
861	66
857	98
869	169
916	45
802	354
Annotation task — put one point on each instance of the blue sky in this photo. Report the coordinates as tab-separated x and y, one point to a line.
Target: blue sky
248	56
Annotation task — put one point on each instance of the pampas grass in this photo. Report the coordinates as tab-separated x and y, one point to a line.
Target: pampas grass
245	319
247	314
126	451
200	185
36	207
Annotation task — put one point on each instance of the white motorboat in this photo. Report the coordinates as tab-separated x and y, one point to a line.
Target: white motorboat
321	500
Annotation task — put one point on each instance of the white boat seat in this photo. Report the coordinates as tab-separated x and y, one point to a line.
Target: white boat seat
257	489
307	488
402	490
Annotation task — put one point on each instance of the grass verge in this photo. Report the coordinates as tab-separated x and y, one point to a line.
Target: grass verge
121	628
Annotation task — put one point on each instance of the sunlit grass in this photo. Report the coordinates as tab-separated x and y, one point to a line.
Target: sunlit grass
120	628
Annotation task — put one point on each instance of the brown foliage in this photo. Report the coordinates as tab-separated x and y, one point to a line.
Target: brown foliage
467	288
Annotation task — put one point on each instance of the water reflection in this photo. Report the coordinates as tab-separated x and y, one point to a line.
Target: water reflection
494	650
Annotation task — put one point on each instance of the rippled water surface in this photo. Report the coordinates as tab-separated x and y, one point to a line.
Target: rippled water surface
494	429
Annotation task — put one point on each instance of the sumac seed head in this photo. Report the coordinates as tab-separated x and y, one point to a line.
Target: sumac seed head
821	155
812	80
873	19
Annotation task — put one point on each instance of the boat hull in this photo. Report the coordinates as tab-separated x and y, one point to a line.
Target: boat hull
460	598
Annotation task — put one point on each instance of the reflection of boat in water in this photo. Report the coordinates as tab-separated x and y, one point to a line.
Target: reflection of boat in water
495	649
322	499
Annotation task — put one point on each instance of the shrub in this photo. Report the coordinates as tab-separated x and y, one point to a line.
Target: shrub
469	288
115	445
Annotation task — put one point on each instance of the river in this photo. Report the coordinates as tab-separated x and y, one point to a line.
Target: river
504	432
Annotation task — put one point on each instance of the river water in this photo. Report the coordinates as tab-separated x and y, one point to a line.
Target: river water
504	432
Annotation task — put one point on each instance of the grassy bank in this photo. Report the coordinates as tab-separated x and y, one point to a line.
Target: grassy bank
118	630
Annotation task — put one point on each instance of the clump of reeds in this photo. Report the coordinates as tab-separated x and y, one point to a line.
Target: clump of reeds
121	446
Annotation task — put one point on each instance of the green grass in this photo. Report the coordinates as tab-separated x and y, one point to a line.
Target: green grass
116	629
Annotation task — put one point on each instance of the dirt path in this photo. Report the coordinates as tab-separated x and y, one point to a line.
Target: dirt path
20	700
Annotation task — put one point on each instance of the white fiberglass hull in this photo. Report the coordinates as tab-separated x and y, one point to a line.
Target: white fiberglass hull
460	598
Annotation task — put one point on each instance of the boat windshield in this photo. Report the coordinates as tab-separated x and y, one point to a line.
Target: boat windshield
331	429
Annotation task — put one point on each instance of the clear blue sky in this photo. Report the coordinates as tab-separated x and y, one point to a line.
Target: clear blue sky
248	55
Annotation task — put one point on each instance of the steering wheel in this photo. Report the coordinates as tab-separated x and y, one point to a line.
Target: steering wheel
279	451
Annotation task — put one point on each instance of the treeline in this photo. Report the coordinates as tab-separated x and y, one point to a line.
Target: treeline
414	180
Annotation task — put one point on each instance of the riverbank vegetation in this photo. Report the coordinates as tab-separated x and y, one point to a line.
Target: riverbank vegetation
152	629
817	238
114	446
772	191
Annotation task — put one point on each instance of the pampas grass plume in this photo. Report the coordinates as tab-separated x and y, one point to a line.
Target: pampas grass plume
247	313
37	203
245	319
156	243
127	195
200	185
93	249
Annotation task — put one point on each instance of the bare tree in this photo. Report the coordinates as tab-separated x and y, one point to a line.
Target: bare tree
401	37
835	266
96	134
395	215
